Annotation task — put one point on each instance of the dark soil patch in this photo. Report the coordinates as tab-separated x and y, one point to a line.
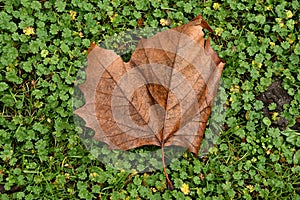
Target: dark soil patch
275	94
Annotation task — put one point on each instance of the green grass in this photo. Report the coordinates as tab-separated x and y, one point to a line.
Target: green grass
41	154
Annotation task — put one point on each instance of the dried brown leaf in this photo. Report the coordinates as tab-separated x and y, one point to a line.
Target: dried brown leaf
162	96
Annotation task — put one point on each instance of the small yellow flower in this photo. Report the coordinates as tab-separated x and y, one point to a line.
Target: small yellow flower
256	64
73	14
259	65
145	175
164	22
289	14
272	44
275	116
67	176
235	89
185	155
250	187
216	6
28	31
280	22
112	18
219	31
290	39
227	102
268	7
122	170
94	174
185	188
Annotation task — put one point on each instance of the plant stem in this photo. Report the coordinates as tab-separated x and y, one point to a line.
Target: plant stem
169	183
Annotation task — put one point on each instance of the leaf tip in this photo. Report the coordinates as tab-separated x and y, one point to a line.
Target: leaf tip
217	60
92	46
199	20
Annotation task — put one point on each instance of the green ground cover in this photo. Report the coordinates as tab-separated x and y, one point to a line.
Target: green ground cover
43	44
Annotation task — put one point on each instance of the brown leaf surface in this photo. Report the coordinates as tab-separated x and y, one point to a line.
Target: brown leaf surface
162	96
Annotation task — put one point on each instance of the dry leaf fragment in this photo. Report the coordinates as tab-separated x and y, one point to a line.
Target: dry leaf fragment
162	96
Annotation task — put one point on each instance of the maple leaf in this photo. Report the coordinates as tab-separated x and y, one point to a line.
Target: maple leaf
163	96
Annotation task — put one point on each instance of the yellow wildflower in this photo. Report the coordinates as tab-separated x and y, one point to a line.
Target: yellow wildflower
290	38
94	174
280	22
259	65
272	44
28	31
112	18
73	14
275	116
67	176
250	187
289	14
219	31
216	6
235	89
185	188
165	22
268	7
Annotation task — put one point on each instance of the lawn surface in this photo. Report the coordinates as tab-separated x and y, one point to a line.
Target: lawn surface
43	45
